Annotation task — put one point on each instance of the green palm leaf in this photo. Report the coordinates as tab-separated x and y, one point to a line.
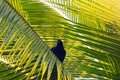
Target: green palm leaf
21	49
91	38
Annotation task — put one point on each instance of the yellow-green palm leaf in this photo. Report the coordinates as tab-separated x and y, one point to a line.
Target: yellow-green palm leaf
88	28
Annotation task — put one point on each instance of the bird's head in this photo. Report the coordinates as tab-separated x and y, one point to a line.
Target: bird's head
59	43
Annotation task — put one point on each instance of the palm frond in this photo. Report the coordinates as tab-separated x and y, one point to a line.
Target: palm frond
91	39
17	5
23	52
89	29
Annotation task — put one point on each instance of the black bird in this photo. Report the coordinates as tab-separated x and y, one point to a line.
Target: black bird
59	51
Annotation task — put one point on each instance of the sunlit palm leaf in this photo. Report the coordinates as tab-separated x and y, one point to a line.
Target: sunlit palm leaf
21	49
93	44
98	13
91	38
17	4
